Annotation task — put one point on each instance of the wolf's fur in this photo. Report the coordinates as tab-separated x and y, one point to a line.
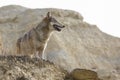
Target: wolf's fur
35	41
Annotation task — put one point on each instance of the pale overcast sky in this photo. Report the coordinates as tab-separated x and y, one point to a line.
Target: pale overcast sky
103	13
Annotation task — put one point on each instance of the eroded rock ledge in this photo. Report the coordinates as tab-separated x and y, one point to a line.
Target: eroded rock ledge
25	68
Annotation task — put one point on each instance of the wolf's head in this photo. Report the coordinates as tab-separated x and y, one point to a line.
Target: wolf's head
54	25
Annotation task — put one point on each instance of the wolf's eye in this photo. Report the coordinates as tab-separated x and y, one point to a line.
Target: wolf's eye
50	19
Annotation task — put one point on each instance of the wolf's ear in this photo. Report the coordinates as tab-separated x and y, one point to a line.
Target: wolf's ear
48	15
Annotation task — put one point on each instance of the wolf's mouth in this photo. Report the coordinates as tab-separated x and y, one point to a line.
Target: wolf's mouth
58	28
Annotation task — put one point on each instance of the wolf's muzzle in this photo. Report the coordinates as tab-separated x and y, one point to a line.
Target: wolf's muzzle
57	27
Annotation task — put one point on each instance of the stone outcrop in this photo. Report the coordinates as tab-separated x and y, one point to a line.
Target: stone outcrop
79	45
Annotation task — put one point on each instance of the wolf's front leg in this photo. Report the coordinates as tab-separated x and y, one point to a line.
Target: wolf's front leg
38	55
39	52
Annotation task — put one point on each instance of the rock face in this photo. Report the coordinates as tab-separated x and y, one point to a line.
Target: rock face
79	45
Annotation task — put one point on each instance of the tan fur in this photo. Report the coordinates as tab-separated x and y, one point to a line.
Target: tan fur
34	42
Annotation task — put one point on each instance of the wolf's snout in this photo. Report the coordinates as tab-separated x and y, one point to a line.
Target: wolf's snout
57	27
61	26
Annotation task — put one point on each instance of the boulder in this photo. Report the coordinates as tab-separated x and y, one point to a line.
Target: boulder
82	74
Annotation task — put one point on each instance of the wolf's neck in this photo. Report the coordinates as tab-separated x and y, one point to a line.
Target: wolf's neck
43	30
42	25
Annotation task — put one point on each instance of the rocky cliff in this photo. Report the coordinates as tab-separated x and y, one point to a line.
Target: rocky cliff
79	45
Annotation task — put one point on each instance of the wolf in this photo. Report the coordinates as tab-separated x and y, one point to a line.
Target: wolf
34	42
